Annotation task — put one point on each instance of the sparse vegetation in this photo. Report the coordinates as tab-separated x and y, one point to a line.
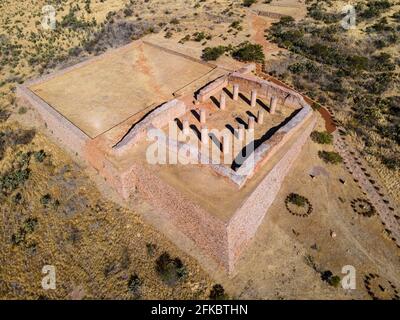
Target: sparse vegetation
330	157
248	3
134	285
322	137
170	270
218	293
359	75
297	199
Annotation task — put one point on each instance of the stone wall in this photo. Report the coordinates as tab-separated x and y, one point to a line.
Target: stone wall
245	222
270	14
267	89
61	128
208	232
223	242
158	118
212	89
261	155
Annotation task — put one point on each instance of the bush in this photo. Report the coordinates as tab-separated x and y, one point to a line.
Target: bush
213	53
46	199
218	293
4	115
249	53
328	277
151	249
330	157
13	179
170	270
248	3
134	284
30	225
297	199
40	155
322	137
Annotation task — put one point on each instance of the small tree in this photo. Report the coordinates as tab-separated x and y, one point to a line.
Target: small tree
213	53
249	52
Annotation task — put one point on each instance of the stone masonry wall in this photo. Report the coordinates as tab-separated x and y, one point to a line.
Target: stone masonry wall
212	88
267	89
157	118
62	129
207	231
245	222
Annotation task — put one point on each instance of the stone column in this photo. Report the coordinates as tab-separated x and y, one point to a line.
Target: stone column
185	127
202	116
273	105
240	132
225	144
235	92
260	117
253	98
251	123
204	135
222	101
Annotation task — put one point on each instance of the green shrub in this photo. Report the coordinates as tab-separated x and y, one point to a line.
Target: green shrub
134	284
30	225
170	270
200	36
13	179
322	137
297	199
40	155
331	279
46	199
330	157
213	53
218	293
249	53
248	3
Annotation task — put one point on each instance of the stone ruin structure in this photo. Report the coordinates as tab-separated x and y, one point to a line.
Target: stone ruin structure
217	205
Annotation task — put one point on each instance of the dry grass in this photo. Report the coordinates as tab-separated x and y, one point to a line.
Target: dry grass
95	245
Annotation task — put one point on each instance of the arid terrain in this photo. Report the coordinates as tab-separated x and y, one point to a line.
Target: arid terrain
56	211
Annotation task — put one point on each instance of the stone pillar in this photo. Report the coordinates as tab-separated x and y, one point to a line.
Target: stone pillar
204	135
202	116
185	127
251	123
274	102
240	132
235	92
225	144
253	98
260	117
222	101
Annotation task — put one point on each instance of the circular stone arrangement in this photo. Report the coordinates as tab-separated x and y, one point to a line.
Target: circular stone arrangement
379	288
363	207
305	210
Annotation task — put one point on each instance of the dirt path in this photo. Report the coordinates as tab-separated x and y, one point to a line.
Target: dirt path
258	25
